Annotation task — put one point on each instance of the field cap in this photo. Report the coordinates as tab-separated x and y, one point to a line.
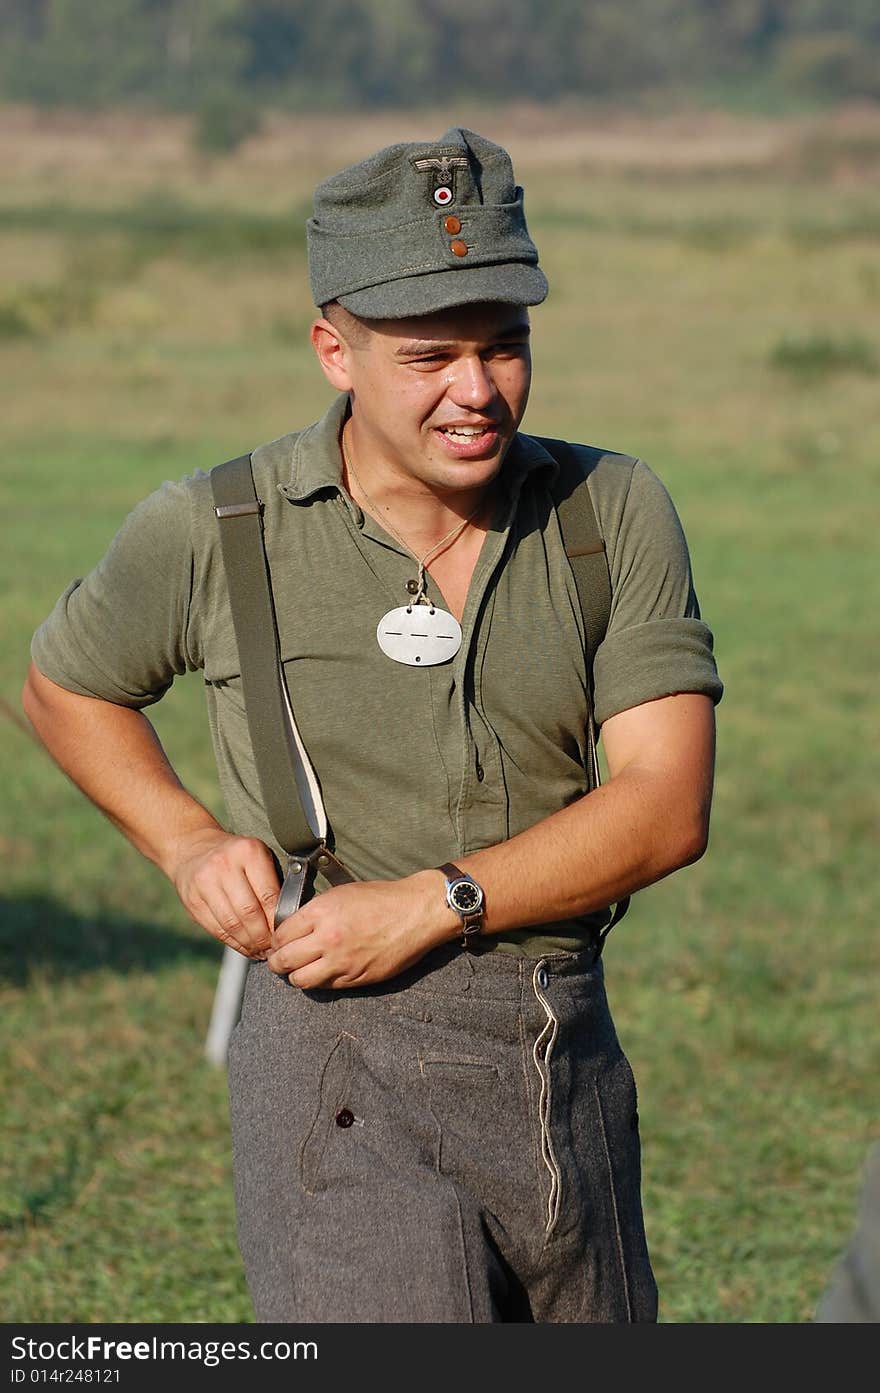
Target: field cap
423	226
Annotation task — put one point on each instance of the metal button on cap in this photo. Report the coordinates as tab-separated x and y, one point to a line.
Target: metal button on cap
452	225
345	1117
543	978
458	248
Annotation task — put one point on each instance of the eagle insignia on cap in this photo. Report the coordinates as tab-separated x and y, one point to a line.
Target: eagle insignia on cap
444	167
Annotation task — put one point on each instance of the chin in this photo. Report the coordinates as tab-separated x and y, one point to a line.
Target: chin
469	473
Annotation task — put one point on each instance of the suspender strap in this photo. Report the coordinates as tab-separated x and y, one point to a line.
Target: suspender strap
279	771
584	544
585	549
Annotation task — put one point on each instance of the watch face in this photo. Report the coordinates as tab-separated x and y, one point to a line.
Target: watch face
466	896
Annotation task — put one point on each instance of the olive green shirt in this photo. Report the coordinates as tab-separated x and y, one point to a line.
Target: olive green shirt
417	766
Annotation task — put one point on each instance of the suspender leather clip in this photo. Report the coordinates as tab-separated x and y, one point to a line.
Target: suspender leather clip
300	867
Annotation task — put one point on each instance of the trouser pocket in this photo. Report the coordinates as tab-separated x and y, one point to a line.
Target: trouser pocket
464	1096
335	1112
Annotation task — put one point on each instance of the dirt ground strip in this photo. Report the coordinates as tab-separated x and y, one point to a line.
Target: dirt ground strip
134	148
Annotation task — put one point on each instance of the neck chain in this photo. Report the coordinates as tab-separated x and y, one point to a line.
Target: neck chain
420	597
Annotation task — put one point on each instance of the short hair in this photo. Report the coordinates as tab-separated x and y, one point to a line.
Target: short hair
347	324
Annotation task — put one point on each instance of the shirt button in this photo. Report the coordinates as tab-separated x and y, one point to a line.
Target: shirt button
481	773
452	225
458	248
543	978
345	1117
412	587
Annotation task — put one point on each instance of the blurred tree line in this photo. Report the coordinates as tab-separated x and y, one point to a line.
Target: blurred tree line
238	56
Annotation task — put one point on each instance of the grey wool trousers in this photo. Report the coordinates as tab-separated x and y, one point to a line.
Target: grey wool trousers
459	1144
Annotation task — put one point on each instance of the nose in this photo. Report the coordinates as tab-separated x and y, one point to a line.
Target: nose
471	383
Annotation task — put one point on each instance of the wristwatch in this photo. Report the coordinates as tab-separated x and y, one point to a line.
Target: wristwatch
465	896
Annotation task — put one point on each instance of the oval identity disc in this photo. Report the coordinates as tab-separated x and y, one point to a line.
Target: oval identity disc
419	635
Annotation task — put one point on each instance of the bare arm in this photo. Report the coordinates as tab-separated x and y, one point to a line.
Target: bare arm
650	818
227	884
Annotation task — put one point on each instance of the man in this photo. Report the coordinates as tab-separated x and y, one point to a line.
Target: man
432	1116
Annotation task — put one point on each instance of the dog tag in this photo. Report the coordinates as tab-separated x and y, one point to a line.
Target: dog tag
419	635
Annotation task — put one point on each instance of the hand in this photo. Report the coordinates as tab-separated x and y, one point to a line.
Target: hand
229	886
364	932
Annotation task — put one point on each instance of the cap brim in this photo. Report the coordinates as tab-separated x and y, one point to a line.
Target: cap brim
513	283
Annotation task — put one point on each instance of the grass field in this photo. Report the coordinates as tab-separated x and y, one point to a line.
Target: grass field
715	308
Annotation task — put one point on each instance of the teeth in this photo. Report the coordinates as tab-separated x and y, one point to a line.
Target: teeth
467	431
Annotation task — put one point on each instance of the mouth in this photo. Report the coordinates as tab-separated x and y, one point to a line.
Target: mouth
466	441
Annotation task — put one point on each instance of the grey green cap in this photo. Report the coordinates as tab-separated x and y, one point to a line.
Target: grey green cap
420	227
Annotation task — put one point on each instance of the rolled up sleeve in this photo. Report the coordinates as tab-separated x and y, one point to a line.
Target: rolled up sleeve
654	660
657	643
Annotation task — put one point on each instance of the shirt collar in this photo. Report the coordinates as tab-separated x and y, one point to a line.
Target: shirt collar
317	458
525	456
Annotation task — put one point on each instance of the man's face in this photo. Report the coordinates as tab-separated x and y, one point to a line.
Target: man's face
438	399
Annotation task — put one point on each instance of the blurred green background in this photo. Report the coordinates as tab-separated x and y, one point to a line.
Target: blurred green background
702	182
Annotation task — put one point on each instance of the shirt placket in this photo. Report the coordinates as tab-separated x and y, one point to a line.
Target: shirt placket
481	811
470	751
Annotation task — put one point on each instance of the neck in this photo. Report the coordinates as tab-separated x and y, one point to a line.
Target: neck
419	513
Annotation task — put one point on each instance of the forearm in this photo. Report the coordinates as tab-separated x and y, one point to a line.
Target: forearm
113	754
227	884
621	837
651	817
647	820
613	841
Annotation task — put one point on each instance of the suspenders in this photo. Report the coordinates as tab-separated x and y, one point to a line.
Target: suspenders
585	549
299	823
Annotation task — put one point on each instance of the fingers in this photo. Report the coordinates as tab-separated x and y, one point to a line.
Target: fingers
351	935
241	916
225	923
315	975
304	968
296	926
312	949
294	945
231	889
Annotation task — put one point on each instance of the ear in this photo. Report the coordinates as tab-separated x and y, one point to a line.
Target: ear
333	353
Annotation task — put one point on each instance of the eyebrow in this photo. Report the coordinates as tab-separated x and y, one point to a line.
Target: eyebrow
417	346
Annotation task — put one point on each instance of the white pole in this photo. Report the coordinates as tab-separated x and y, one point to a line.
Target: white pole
227	1005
